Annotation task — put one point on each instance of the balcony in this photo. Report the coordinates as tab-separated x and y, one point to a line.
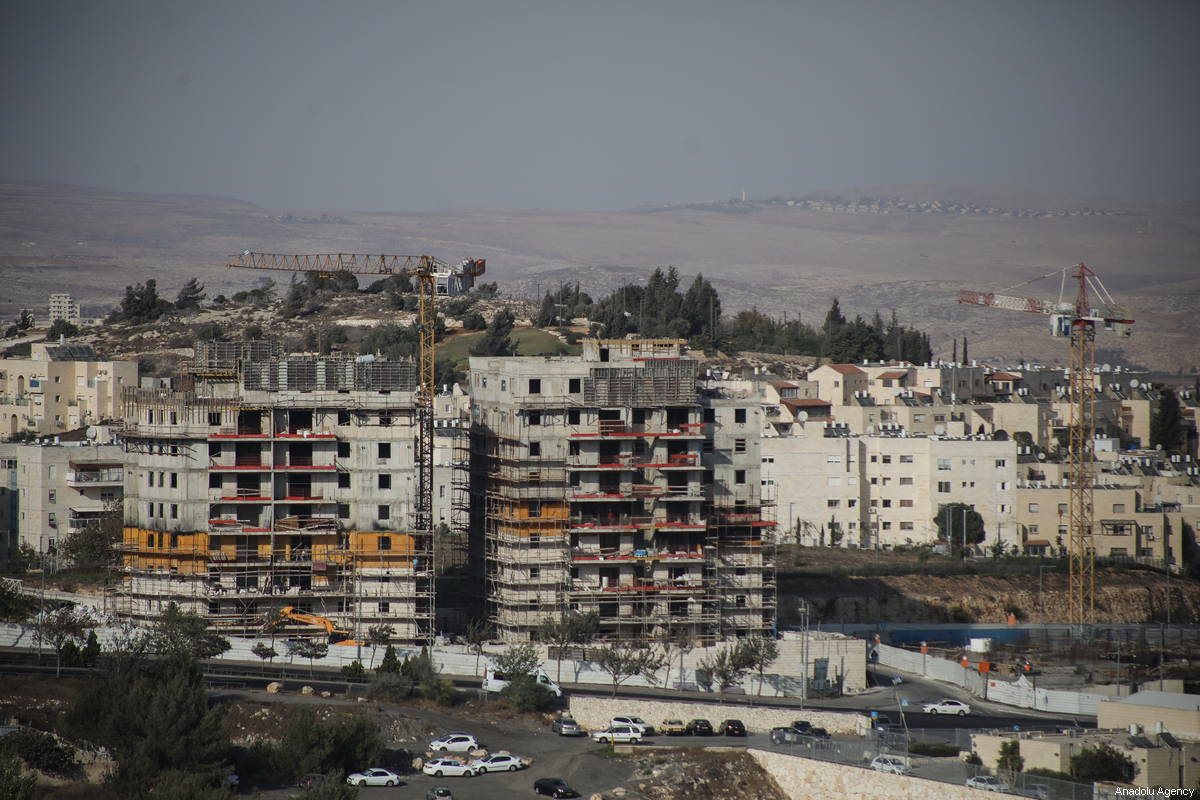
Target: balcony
303	464
239	496
239	464
305	433
307	524
243	433
82	475
619	429
232	526
628	555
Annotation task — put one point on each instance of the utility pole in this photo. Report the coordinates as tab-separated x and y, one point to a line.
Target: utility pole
802	607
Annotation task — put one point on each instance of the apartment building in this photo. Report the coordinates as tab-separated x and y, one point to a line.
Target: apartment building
61	387
64	307
269	480
1124	524
55	489
613	483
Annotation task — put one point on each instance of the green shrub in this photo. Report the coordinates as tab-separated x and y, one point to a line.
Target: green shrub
440	691
526	694
355	671
934	749
41	751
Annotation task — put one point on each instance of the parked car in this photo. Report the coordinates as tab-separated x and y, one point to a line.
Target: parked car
437	767
802	726
947	707
988	783
634	722
672	727
376	776
310	779
1040	791
617	733
700	727
784	736
439	793
565	726
892	764
819	733
553	787
733	727
499	762
455	743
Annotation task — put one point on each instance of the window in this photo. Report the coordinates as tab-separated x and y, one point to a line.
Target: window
887	459
739	416
535	418
887	503
1033	508
874	459
343	450
384	607
384	512
887	526
906	481
944	487
385	418
343	480
535	449
343	511
385	542
535	385
739	476
833	481
384	450
535	572
53	496
739	600
1118	508
707	446
906	503
943	464
739	445
906	459
851	503
572	416
161	482
1002	508
1002	486
150	479
214	418
837	459
1001	463
160	509
1062	508
149	509
174	480
174	511
385	481
831	503
343	417
574	385
1031	528
709	415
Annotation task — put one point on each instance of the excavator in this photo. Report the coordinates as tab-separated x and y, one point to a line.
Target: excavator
336	636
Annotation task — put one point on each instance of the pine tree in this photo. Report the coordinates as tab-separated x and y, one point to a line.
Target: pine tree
1166	426
190	295
496	341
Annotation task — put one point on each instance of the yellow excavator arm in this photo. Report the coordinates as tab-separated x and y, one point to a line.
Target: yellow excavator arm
336	636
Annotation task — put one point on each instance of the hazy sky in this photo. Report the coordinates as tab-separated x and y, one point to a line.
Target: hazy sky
602	104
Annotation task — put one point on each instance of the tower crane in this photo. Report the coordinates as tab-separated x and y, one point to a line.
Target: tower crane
1078	321
433	278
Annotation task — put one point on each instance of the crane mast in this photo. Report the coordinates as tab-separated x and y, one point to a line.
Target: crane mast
1076	320
432	278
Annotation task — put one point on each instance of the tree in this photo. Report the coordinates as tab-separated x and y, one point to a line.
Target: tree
390	665
58	627
60	327
952	515
15	605
378	636
727	666
25	320
1103	763
1166	426
190	295
184	634
760	652
478	634
310	649
264	651
518	660
682	643
95	543
570	628
495	340
141	304
474	321
623	661
1010	759
13	784
548	313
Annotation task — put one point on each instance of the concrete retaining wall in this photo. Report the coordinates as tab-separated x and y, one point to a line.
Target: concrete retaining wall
809	779
594	713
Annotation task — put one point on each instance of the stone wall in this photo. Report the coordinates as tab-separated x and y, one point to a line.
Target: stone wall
808	779
595	713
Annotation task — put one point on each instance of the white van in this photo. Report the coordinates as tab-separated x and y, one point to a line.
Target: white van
494	681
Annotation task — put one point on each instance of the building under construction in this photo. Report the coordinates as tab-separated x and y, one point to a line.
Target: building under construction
268	480
614	483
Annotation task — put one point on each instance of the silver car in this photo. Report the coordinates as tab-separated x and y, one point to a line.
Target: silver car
565	726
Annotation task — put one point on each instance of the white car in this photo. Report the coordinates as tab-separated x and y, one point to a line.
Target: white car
455	743
499	762
617	733
645	728
892	764
437	767
376	776
988	784
947	707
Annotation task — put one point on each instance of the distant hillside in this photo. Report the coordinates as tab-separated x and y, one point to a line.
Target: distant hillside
911	253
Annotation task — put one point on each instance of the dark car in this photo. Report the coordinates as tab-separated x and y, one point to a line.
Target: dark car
819	733
554	787
784	736
311	779
733	727
699	727
802	726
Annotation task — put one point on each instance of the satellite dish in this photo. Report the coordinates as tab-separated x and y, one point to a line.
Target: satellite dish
1133	384
1106	367
1041	456
802	416
90	432
940	430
